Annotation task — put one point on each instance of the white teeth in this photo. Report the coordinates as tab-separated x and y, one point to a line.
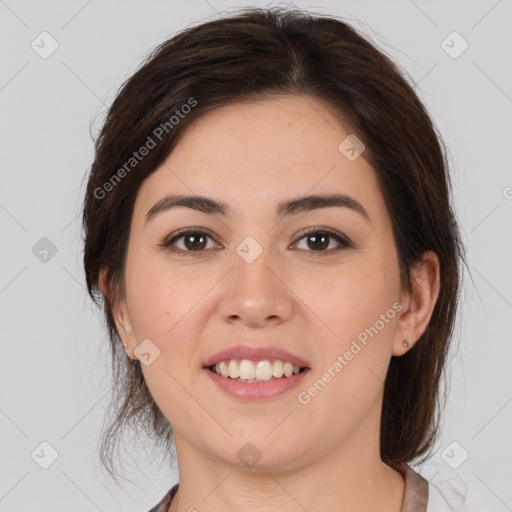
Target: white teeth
261	371
247	369
277	368
234	369
224	369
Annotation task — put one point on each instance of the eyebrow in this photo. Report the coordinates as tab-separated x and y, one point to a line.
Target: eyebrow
289	207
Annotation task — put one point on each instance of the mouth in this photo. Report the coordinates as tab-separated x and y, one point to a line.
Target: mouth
255	373
255	380
251	372
246	363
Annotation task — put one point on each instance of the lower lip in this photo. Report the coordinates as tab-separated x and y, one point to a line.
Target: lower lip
254	390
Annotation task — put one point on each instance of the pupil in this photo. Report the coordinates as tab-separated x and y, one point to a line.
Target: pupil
191	237
319	241
322	245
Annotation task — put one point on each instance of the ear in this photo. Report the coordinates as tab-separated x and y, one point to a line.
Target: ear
120	314
419	303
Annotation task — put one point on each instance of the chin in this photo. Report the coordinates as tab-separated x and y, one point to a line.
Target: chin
260	454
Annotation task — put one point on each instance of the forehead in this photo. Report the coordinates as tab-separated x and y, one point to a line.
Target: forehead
259	153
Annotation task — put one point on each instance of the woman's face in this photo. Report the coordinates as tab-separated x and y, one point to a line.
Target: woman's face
252	277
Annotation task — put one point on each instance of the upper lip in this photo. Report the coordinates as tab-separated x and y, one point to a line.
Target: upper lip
255	354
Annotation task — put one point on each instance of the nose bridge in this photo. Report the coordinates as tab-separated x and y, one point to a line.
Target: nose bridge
252	276
256	294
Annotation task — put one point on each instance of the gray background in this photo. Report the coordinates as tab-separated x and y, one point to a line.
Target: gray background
54	379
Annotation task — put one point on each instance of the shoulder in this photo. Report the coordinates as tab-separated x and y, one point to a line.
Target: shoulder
449	495
164	504
442	493
439	500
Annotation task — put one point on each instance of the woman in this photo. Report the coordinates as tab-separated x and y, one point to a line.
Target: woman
268	222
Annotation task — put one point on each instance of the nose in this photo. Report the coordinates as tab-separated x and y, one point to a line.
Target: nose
255	293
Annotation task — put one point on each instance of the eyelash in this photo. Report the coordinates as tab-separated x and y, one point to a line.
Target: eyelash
343	241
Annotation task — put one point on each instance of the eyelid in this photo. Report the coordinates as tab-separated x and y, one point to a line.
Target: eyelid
343	241
173	237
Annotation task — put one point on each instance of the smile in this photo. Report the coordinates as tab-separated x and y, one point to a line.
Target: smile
255	388
255	371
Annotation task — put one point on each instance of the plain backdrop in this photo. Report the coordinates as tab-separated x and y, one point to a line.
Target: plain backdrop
54	379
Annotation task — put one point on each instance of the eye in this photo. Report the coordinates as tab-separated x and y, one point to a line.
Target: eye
318	238
194	241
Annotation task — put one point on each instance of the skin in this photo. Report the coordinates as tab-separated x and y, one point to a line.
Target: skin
323	455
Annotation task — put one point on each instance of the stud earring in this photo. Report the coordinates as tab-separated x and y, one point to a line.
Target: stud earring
406	344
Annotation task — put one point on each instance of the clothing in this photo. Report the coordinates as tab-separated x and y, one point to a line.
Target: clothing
419	496
164	504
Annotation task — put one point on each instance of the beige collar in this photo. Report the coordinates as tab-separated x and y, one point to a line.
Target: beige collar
415	496
416	491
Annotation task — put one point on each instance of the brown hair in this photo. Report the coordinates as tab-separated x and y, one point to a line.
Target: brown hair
248	56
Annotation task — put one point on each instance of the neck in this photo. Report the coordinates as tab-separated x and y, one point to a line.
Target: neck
362	491
348	477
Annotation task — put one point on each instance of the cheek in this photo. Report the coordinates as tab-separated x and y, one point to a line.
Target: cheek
162	309
355	339
161	296
355	358
346	300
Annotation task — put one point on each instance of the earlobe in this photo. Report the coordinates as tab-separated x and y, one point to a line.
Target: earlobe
425	281
119	314
123	325
103	283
